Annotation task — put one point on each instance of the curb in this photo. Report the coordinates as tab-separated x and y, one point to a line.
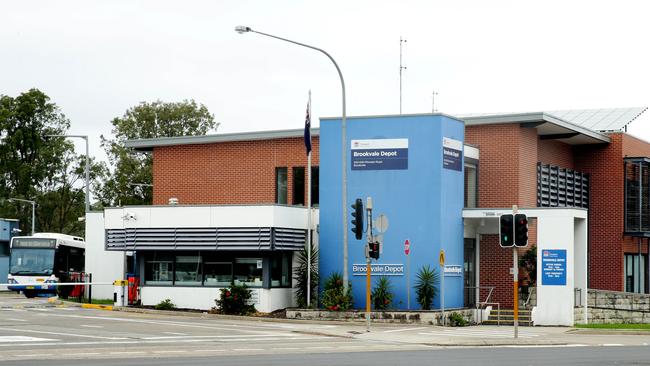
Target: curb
97	307
62	303
604	331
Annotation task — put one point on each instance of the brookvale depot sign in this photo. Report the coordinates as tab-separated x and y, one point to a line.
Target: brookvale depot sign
379	154
378	269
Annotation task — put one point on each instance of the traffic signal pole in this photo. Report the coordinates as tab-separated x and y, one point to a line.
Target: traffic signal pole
515	280
368	266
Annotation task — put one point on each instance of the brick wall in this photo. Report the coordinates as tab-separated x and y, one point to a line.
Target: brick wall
241	172
555	153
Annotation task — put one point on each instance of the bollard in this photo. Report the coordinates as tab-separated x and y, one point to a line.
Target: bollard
119	292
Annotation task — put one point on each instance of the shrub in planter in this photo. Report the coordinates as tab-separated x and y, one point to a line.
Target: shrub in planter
457	320
166	304
425	286
334	297
234	300
382	295
300	277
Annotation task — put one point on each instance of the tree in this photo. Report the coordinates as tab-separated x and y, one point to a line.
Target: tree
31	166
145	121
426	286
300	276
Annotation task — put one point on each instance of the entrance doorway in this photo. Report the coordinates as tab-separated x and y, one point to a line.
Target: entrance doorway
469	272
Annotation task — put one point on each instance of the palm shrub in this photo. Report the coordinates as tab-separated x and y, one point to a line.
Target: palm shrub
334	296
234	300
426	286
300	276
382	294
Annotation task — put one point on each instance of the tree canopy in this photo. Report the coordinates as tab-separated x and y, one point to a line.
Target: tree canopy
129	175
38	168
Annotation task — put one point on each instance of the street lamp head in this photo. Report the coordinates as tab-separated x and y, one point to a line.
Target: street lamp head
242	29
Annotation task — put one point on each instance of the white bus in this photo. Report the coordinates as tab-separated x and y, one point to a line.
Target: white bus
44	258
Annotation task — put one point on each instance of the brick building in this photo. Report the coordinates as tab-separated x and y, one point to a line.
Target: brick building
579	159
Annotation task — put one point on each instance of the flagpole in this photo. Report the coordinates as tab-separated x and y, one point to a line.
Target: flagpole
309	210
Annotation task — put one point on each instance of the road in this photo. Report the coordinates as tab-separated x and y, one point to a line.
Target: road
33	331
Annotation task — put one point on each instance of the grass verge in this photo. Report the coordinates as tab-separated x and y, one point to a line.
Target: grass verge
615	326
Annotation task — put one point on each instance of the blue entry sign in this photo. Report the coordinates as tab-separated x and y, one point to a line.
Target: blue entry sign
554	267
453	270
379	154
378	269
452	154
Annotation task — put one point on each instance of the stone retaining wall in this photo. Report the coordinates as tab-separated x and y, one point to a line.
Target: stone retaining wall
611	316
416	317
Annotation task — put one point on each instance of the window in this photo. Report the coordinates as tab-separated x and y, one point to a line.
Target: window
471	186
635	273
218	273
281	185
248	271
299	186
281	271
158	269
188	270
637	195
314	186
560	187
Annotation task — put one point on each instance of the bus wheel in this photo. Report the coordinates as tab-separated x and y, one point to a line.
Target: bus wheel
29	294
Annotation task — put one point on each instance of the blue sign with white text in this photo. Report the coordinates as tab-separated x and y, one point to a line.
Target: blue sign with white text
554	267
452	154
379	154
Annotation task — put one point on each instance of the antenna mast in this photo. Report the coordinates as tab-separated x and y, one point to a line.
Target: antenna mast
401	41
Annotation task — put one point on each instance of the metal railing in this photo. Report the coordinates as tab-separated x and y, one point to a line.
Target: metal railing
481	305
530	294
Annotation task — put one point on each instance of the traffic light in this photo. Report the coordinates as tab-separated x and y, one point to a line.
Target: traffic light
506	230
357	219
373	249
521	230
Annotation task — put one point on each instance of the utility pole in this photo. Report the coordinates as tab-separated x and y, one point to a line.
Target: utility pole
401	67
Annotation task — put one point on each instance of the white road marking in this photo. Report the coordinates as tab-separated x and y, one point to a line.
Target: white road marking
33	355
16	320
170	351
173	333
91	326
57	333
40	309
286	348
137	341
126	352
403	330
221	336
248	349
612	345
166	322
83	354
23	339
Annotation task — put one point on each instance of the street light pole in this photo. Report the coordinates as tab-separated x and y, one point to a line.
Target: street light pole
87	170
243	29
33	210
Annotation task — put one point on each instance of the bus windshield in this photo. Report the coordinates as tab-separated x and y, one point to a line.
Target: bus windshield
28	261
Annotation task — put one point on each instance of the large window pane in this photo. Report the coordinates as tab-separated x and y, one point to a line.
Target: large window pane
248	271
188	270
218	273
299	186
159	269
471	186
281	271
281	185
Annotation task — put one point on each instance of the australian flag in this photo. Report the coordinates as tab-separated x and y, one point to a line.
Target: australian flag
308	131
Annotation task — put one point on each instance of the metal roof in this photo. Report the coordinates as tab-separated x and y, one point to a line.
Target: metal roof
611	119
149	144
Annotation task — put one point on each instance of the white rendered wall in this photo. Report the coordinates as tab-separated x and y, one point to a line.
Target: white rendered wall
555	303
202	298
105	266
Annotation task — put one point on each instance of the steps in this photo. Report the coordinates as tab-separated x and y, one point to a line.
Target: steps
506	317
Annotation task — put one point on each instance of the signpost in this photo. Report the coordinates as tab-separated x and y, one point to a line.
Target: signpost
407	250
441	259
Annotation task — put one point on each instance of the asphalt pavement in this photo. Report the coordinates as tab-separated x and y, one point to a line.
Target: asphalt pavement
34	330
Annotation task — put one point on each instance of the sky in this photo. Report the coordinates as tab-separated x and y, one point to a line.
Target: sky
96	59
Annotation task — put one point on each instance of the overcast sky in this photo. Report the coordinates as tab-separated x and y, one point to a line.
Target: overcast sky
95	59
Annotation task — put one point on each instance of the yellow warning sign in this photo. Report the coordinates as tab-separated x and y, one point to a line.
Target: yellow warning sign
442	257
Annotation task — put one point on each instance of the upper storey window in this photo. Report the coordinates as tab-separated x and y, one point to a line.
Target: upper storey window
637	196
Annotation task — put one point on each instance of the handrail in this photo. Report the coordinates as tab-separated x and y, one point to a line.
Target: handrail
530	293
481	304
